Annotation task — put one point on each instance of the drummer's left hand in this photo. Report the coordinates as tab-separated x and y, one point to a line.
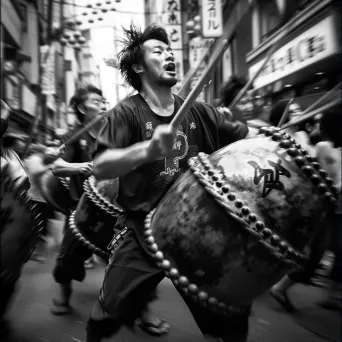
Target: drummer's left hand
51	154
86	169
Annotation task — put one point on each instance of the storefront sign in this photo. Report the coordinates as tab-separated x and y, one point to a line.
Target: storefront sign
317	43
212	25
48	65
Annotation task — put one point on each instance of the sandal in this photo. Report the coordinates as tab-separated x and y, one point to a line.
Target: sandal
283	300
151	328
60	309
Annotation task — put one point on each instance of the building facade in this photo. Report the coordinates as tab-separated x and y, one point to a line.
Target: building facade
306	64
20	62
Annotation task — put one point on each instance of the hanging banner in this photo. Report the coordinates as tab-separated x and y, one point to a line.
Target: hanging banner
212	24
198	46
48	80
172	22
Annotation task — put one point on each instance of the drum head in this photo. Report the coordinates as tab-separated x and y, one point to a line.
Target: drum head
20	229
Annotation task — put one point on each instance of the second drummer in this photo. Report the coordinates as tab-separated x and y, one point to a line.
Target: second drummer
87	103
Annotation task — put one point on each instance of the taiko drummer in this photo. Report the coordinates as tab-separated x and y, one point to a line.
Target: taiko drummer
138	145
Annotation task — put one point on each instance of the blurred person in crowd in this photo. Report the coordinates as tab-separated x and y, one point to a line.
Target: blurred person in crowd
229	92
30	162
76	163
300	132
261	114
134	145
329	155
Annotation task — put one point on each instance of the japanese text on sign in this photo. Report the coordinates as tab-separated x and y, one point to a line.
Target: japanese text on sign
212	25
171	20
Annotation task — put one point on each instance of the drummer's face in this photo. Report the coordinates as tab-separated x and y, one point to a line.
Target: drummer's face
158	66
94	105
295	111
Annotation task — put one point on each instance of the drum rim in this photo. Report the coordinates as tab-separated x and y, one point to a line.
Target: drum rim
97	199
48	196
81	238
37	218
201	167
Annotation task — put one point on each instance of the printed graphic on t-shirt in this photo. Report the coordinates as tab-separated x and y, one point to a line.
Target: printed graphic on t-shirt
168	169
149	129
179	152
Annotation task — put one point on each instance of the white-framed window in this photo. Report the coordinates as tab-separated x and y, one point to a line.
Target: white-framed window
269	18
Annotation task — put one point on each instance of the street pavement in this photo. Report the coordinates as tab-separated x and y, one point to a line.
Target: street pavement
32	322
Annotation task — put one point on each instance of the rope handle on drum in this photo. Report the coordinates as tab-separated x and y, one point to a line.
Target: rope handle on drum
93	194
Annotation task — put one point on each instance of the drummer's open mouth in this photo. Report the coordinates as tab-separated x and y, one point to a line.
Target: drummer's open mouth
171	67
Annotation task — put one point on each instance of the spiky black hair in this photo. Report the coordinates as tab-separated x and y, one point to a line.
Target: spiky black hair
132	53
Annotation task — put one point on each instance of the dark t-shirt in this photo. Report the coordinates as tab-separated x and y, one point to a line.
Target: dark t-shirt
79	151
204	129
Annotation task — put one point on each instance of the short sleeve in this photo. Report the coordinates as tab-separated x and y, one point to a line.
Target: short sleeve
69	152
117	130
228	131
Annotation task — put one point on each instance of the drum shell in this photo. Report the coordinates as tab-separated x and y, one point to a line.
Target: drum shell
93	221
55	193
20	229
216	251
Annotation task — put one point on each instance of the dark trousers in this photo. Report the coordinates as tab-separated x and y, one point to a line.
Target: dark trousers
317	248
130	279
71	258
335	246
328	236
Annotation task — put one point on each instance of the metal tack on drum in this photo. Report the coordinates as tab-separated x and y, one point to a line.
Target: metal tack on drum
166	265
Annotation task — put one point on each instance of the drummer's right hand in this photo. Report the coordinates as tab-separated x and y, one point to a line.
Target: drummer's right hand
162	142
86	169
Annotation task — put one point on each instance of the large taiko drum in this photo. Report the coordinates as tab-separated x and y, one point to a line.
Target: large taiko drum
94	219
239	220
21	225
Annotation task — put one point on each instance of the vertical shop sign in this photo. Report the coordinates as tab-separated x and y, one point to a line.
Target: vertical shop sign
212	25
172	21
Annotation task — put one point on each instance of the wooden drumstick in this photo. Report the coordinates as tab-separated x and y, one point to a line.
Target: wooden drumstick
189	101
313	113
191	73
285	114
321	99
79	133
